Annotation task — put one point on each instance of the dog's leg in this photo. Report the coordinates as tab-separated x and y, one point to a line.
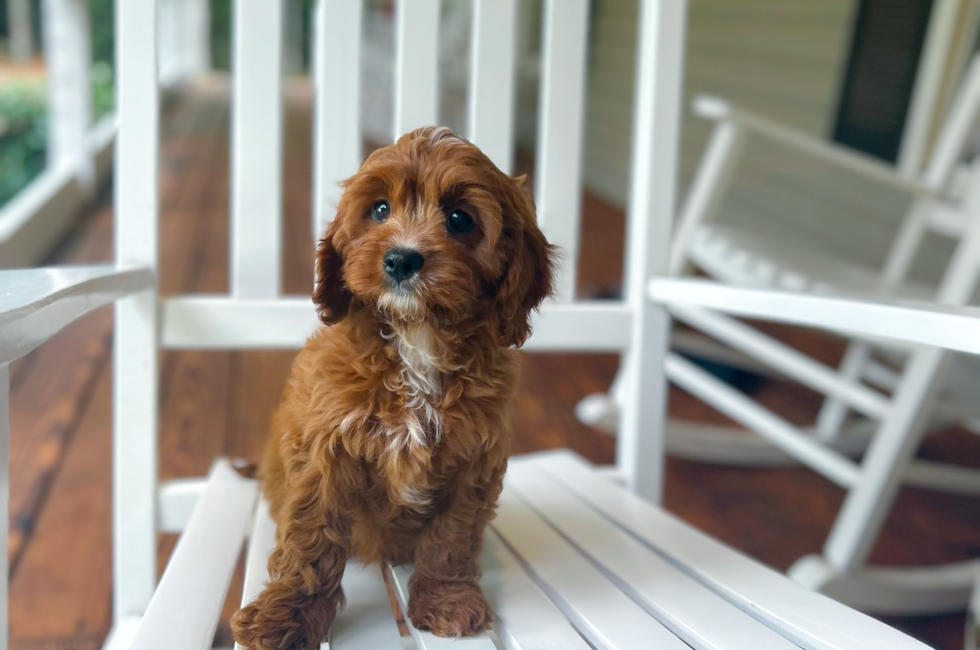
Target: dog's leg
302	598
444	592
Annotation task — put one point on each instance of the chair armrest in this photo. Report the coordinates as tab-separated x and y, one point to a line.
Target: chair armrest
37	303
717	109
952	328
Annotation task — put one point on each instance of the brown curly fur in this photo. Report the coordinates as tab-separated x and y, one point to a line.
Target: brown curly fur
392	435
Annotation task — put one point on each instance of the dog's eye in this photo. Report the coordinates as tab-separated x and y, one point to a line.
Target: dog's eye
380	211
459	222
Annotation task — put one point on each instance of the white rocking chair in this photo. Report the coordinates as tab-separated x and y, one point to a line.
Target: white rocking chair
573	560
892	421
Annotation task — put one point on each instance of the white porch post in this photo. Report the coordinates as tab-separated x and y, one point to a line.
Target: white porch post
928	83
68	51
640	449
198	40
134	418
19	29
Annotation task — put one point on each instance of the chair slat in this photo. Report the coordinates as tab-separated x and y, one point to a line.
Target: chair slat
185	608
949	326
596	607
135	354
37	303
367	621
698	616
560	131
426	640
525	619
416	65
261	543
812	621
491	100
336	67
256	184
211	322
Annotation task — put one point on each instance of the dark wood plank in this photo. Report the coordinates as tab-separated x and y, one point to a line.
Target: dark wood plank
63	585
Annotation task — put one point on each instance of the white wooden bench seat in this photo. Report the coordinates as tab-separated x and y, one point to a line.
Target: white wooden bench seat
765	258
573	560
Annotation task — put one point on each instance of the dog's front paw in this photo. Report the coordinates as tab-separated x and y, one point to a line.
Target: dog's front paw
280	619
448	609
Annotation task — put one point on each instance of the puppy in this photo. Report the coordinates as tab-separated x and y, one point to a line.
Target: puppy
391	438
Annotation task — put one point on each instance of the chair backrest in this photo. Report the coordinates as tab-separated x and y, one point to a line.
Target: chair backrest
255	314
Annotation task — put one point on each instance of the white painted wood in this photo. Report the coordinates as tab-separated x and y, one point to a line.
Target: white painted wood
261	542
897	591
950	327
867	505
198	22
167	43
812	621
400	576
714	175
337	120
602	613
4	499
524	617
122	634
492	70
68	58
176	503
366	622
698	616
755	417
942	476
559	150
639	453
740	447
213	322
19	29
953	137
785	359
135	337
416	65
185	609
37	303
256	183
936	52
714	108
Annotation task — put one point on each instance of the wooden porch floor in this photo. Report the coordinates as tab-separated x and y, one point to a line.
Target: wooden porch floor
218	403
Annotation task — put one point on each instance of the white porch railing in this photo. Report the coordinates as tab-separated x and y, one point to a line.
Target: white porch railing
80	152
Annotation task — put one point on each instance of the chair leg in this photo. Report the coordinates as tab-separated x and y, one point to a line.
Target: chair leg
134	425
833	412
889	455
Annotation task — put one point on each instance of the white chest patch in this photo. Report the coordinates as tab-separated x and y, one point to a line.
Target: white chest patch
420	380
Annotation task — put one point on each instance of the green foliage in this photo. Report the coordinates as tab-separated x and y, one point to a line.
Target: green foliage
221	32
102	19
23	134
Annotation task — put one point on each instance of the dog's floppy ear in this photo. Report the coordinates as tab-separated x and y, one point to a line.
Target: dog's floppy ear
528	279
331	295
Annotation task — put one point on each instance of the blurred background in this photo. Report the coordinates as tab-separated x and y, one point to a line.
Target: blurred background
874	76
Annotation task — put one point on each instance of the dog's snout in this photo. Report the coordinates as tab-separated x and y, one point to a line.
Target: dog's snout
403	263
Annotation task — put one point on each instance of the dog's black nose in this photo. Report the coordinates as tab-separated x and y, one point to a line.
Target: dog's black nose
403	263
